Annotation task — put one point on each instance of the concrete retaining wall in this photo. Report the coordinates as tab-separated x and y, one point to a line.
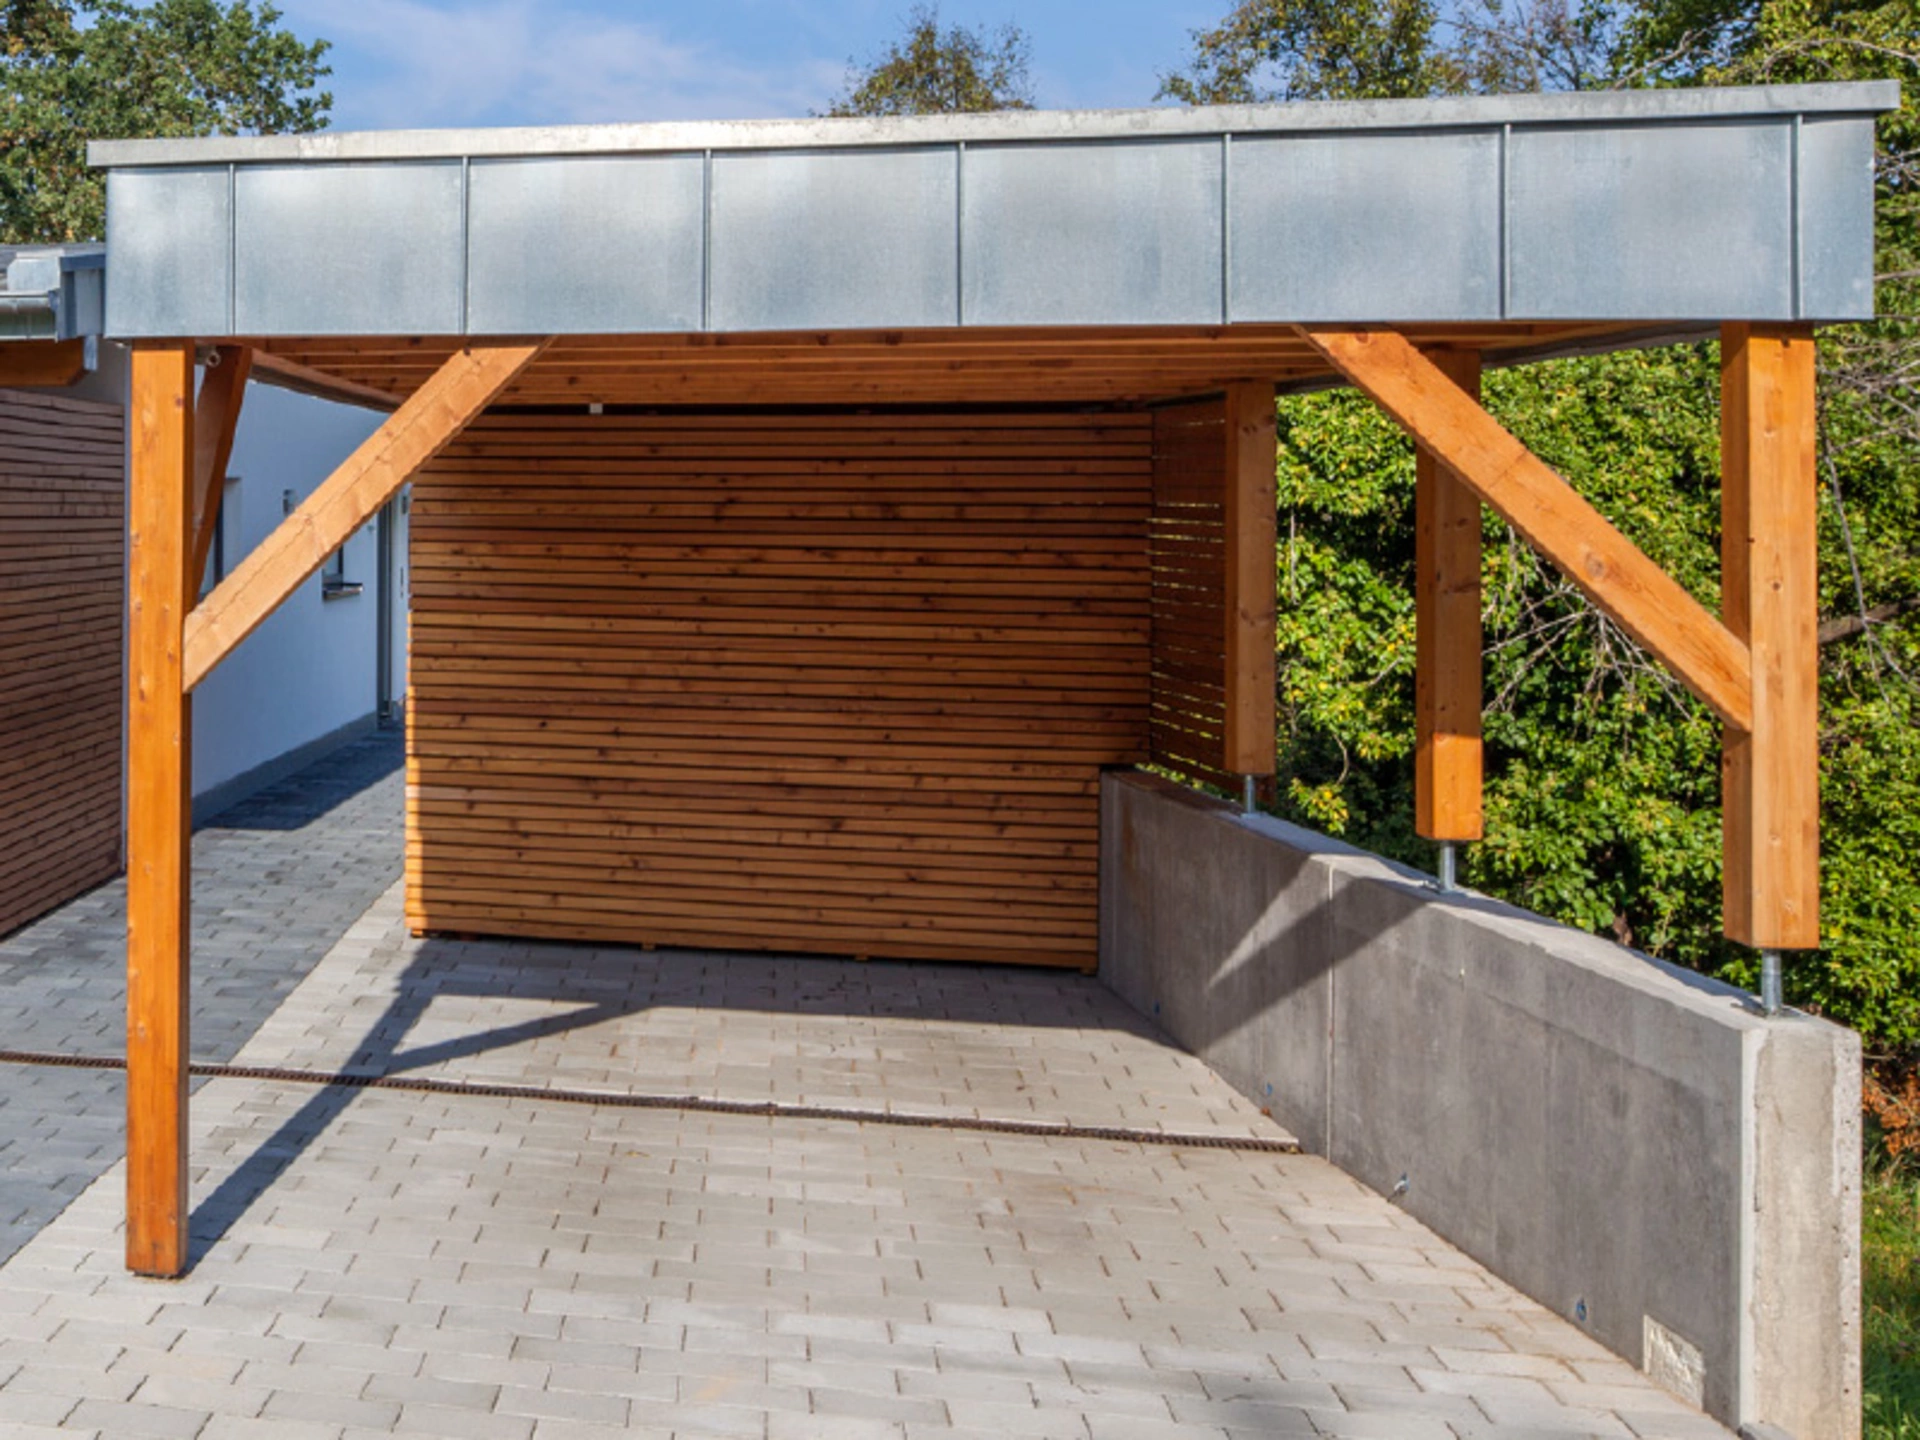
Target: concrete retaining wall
1627	1142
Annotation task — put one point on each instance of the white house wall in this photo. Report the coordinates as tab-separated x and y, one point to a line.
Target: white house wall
309	673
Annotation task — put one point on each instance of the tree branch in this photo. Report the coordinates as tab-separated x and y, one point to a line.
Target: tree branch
1845	627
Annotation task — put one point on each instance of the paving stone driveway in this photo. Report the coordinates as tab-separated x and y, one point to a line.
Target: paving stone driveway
985	1043
374	1263
277	879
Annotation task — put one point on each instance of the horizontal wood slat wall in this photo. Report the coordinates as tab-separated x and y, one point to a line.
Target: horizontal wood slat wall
820	683
1187	531
62	579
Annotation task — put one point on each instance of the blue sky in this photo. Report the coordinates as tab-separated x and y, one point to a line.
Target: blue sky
404	63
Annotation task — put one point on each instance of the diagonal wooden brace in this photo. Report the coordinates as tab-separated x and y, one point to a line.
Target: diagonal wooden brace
430	420
215	418
1616	576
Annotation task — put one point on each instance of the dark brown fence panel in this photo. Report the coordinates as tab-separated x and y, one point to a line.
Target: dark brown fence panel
62	579
1188	554
827	683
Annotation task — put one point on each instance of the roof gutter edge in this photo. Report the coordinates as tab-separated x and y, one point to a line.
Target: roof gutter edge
28	316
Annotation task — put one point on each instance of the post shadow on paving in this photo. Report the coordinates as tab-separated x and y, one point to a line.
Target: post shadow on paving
555	973
281	875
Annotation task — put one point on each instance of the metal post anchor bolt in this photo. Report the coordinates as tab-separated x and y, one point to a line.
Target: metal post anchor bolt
1771	997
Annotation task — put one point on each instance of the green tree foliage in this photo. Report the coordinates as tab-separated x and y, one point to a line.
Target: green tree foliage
1602	774
1602	781
1869	972
931	71
70	73
1314	50
1502	46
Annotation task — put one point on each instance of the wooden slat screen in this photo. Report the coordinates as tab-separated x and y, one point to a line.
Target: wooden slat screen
62	579
1188	550
820	683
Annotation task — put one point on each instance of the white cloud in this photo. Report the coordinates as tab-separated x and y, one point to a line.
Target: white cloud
417	63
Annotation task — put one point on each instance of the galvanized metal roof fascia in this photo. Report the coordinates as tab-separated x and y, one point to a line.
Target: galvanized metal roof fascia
1593	107
1648	207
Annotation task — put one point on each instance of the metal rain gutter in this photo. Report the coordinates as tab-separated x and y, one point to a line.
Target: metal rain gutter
28	316
54	293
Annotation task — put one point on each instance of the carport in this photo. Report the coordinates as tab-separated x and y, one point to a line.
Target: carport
807	513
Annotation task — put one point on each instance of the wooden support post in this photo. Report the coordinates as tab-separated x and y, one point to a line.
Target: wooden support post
215	418
1769	519
1249	518
1446	676
159	790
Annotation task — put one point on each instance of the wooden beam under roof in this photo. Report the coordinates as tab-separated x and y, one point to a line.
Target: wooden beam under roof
274	369
25	364
953	366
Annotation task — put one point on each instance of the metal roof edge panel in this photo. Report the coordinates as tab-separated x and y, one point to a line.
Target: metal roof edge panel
1614	107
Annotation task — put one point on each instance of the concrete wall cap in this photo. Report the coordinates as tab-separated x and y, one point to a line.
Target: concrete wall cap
1646	973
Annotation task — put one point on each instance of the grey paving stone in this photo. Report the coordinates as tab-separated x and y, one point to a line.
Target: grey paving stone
235	1427
547	1429
38	1410
576	1405
461	1423
374	1263
115	1418
277	880
336	1409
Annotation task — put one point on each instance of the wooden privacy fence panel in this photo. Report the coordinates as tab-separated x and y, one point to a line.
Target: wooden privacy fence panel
827	682
62	582
1187	545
